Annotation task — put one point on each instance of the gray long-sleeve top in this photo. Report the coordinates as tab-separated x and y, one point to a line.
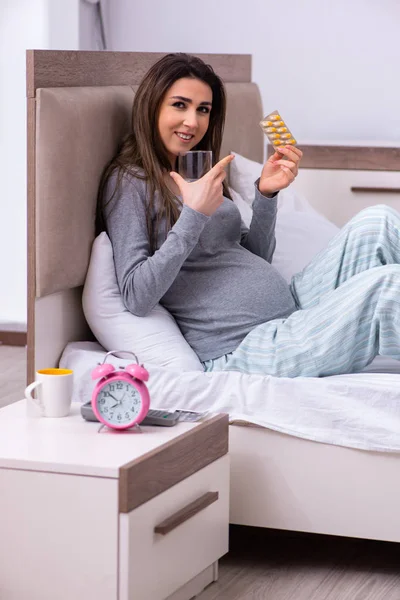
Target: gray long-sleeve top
211	273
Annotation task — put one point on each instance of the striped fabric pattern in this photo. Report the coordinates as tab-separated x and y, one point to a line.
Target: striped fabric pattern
349	307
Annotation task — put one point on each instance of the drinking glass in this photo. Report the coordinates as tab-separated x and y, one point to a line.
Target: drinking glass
194	164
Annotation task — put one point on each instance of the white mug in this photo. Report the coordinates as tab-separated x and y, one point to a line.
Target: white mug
54	393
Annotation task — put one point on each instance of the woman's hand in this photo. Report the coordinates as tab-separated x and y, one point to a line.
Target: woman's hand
279	172
206	194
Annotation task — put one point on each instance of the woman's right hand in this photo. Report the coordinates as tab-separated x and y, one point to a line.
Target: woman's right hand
206	194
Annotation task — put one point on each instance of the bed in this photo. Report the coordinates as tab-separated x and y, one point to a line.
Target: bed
79	106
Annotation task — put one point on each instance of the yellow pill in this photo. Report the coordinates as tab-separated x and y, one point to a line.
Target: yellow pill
274	136
286	136
277	142
292	141
279	123
282	129
270	129
266	123
275	117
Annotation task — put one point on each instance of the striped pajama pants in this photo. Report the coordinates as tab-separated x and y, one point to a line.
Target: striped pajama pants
348	301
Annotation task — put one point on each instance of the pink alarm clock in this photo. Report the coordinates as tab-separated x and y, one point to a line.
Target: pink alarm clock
120	399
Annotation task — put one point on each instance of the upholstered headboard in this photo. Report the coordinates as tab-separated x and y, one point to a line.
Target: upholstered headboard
79	107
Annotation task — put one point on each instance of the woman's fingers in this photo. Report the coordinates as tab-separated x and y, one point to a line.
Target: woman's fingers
180	182
220	166
291	152
220	176
291	176
293	166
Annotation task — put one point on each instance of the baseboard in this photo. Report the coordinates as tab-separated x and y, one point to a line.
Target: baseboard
13	338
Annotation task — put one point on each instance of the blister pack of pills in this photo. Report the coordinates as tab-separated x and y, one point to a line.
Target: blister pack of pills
276	130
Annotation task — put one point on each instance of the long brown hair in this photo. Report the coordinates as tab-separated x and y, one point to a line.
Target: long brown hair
142	152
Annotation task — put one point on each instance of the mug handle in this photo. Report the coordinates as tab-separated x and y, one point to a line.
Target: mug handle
29	397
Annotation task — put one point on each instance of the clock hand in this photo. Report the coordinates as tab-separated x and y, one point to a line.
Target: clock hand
119	402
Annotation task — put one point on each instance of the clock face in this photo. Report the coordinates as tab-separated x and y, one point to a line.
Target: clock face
119	402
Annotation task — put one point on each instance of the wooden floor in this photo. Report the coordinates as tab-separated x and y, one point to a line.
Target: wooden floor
272	565
12	374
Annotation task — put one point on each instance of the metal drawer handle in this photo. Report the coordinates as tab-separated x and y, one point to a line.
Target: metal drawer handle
186	513
376	190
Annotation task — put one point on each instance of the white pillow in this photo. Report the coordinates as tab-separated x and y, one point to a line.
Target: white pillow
246	212
301	231
154	339
244	172
299	237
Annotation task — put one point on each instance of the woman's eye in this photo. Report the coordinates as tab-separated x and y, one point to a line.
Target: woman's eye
202	109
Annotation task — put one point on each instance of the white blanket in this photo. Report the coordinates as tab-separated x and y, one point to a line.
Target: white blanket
359	411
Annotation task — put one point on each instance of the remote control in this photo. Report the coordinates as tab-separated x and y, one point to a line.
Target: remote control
159	417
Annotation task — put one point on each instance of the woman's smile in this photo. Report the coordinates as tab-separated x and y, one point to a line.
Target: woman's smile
185	137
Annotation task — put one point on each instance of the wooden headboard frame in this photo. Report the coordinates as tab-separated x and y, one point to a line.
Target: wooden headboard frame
69	69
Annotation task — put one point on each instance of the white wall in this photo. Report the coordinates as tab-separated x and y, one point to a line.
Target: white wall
90	28
330	67
24	24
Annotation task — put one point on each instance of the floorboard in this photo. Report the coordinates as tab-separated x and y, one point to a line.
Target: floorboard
275	565
12	373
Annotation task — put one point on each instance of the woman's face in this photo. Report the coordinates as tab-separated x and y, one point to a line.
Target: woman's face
184	115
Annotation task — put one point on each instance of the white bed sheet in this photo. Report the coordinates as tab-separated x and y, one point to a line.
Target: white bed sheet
358	411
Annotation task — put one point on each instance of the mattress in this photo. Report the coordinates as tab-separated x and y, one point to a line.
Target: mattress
357	411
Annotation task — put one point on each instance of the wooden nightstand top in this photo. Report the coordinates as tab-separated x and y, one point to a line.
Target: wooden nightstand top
156	456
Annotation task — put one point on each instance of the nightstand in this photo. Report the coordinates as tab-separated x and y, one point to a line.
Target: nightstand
90	513
339	181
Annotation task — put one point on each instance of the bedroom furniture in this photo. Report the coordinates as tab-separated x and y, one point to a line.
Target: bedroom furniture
339	181
84	99
106	515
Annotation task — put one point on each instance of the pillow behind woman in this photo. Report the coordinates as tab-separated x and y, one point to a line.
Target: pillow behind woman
155	339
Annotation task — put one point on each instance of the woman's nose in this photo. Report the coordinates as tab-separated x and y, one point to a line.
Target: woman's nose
190	119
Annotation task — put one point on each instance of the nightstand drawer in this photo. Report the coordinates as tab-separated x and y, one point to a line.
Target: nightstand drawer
176	535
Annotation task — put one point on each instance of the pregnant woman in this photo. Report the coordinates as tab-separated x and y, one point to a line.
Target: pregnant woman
184	245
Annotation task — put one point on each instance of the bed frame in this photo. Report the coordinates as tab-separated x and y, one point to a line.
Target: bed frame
79	105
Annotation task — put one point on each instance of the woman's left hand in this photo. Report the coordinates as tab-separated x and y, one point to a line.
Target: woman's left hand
280	170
